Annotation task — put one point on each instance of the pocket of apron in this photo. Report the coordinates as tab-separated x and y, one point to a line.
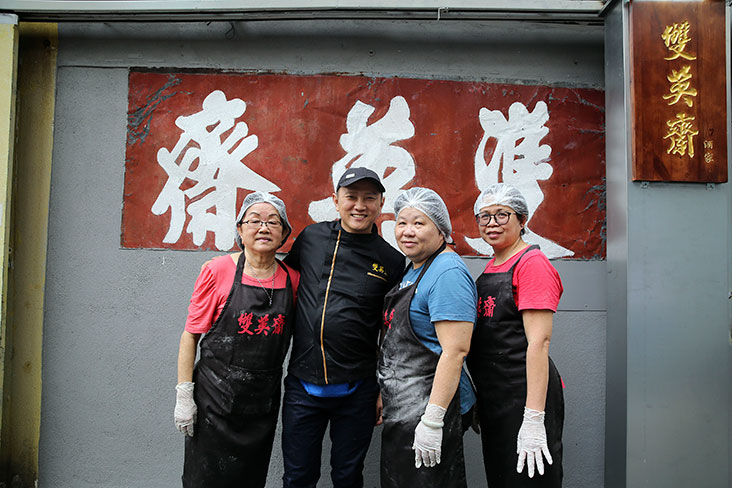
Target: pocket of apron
252	392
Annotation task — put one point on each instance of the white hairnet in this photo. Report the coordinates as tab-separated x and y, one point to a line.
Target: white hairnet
428	202
502	194
262	197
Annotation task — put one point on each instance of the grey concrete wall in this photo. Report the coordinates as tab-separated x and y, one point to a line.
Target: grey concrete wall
114	317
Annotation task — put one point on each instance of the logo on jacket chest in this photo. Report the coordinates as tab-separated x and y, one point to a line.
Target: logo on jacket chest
377	271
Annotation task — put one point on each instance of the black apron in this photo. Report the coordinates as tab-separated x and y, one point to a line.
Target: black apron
237	391
497	363
405	372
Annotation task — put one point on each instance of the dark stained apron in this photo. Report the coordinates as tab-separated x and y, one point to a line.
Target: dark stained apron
497	363
237	389
406	371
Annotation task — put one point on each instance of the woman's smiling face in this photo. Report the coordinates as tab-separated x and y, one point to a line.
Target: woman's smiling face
261	238
417	236
497	235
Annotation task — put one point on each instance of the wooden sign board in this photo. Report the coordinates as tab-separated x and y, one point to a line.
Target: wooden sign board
678	81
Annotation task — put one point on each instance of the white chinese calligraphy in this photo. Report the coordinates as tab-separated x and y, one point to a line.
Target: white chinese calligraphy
216	168
371	146
519	160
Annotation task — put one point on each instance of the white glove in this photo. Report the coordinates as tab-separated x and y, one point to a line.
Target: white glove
531	442
185	408
427	444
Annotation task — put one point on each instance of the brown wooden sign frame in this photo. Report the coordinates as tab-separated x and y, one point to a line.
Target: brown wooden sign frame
678	89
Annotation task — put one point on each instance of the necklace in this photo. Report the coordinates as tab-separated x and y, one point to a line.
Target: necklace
269	293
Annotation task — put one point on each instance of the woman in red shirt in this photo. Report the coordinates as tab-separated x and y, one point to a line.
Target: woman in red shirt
243	304
520	400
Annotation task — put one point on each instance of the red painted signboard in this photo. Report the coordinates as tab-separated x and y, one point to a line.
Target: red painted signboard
197	143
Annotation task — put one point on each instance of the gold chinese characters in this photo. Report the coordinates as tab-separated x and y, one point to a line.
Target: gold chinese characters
681	132
681	129
676	37
708	154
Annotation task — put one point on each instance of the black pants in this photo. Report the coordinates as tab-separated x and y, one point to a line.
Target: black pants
304	420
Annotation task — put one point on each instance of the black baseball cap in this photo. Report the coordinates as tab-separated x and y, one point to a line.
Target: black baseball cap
352	175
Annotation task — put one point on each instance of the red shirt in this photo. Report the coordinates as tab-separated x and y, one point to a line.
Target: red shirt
536	284
213	286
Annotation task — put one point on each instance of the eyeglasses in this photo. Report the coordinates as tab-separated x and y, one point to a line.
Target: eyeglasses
501	218
256	223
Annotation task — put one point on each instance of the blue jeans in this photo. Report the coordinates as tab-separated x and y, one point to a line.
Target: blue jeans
304	420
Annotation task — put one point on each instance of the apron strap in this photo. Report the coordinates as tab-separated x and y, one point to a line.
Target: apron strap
523	253
239	268
429	262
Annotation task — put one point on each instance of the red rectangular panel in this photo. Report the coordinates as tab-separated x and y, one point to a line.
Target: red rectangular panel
197	143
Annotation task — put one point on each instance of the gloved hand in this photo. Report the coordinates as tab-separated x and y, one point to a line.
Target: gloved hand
185	408
427	444
531	442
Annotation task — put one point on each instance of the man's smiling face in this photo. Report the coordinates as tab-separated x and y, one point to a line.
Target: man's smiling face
359	205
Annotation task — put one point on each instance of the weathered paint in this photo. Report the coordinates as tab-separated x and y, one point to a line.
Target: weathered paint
297	134
8	66
34	144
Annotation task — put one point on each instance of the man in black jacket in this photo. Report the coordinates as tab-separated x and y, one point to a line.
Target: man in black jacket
346	268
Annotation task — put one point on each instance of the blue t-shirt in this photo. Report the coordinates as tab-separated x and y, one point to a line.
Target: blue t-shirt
446	292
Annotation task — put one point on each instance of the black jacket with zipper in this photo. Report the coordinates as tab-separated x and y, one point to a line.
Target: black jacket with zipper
343	280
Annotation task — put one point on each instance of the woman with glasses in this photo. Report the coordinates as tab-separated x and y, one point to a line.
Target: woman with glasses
243	304
429	320
520	400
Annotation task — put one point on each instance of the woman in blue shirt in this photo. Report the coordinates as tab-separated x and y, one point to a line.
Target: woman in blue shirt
428	323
